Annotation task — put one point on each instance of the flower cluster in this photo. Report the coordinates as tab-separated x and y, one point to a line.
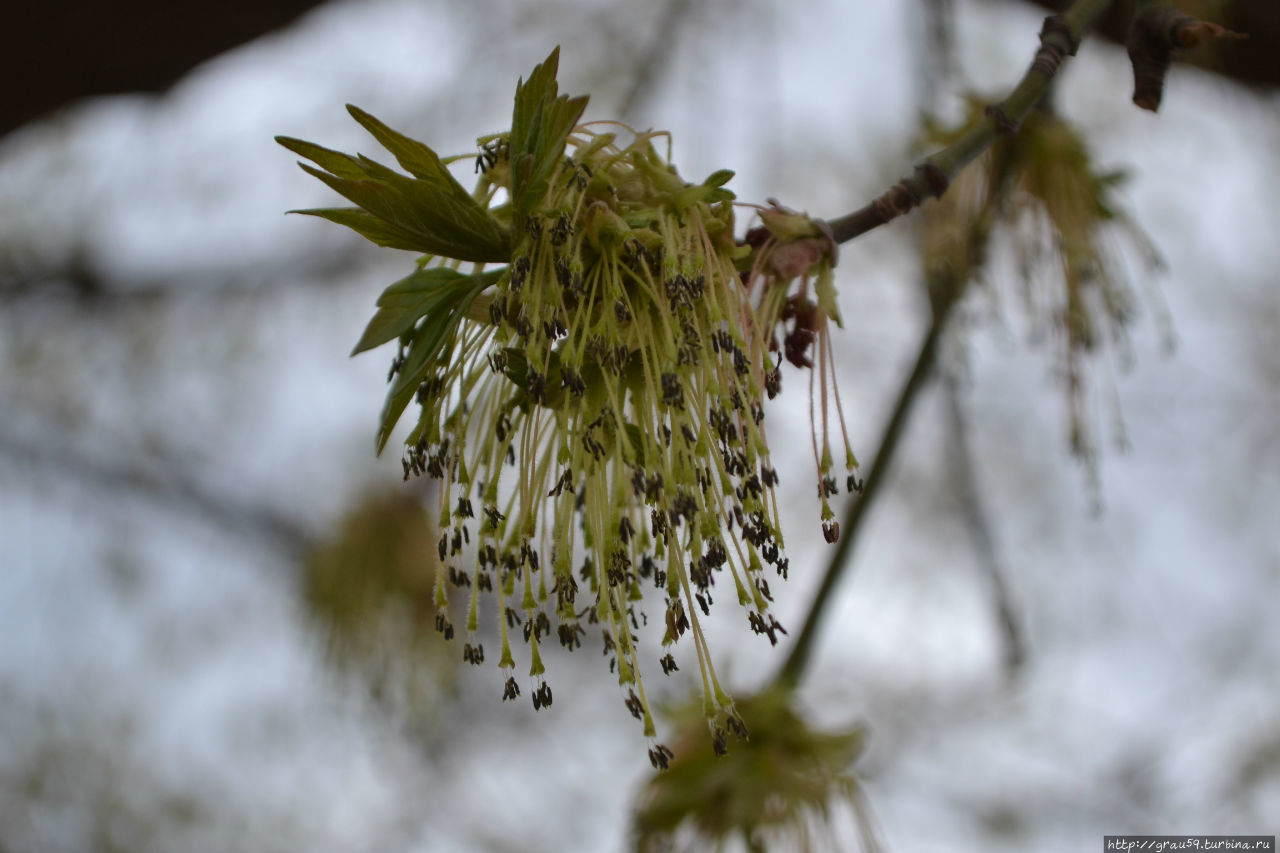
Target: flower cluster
773	790
1040	187
591	392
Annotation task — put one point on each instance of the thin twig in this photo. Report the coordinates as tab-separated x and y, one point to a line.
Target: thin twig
655	56
1059	38
279	531
979	527
791	671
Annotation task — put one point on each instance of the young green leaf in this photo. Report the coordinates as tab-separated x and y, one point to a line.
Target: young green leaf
540	126
443	308
430	212
370	227
408	300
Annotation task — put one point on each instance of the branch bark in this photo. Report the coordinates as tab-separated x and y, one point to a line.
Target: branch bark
1059	38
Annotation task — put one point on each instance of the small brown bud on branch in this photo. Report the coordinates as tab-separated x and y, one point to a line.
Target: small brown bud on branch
1154	35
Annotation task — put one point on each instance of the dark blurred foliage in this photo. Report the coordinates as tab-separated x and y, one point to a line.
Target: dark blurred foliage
60	52
86	48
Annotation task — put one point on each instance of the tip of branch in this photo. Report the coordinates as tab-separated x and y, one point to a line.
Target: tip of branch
1155	34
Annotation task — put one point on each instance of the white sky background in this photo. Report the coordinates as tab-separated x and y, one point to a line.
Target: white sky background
158	681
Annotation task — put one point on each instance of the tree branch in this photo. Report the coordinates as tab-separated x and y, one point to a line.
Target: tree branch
1015	647
1059	38
792	670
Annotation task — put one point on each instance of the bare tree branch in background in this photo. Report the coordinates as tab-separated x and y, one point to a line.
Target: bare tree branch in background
979	527
655	57
267	525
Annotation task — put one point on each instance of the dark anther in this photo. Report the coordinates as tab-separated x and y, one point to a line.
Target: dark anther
763	586
634	706
444	626
566	590
570	634
683	506
853	484
565	481
773	382
657	523
562	230
672	394
771	628
660	757
625	530
619	564
573	382
637	482
830	531
668	664
719	742
473	655
553	329
653	487
443	547
677	620
519	271
621	311
511	691
536	385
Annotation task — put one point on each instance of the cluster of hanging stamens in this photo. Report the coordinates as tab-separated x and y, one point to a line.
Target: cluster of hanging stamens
616	375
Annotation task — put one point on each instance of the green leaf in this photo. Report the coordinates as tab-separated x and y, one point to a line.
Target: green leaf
368	226
540	125
443	310
429	212
636	437
408	300
342	165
